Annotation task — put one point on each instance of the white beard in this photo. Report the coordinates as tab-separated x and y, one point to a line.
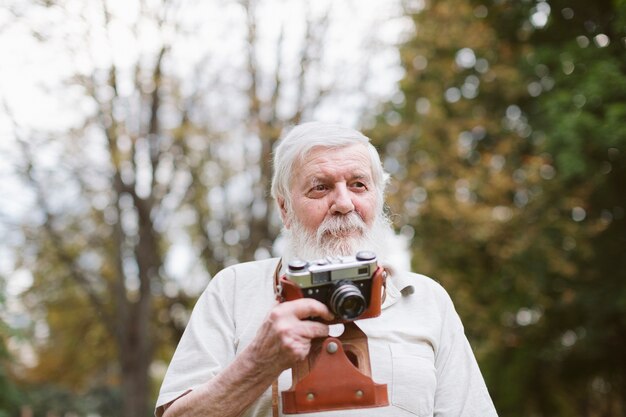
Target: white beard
341	235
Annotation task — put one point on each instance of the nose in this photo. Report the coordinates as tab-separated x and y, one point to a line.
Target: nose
342	201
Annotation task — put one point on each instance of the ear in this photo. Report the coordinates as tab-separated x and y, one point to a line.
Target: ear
282	205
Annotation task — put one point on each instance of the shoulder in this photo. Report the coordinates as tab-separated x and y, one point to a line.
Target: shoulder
422	288
264	266
418	283
240	281
245	274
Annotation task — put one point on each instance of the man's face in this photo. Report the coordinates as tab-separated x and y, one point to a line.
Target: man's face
333	186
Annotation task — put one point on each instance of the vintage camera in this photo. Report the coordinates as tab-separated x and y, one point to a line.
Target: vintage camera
351	287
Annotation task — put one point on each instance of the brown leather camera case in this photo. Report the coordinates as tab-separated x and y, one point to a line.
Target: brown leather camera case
336	375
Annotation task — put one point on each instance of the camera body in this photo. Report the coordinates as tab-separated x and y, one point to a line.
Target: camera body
351	287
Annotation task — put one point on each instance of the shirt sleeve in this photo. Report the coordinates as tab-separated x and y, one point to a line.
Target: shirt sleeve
461	389
207	345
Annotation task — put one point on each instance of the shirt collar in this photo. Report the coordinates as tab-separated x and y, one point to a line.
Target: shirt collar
398	285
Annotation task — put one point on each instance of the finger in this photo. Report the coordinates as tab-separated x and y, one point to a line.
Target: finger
314	329
308	307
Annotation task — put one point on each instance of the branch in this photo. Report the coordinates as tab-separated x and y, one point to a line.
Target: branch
154	125
253	97
308	55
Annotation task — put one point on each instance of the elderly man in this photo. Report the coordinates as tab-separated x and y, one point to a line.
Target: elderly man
329	185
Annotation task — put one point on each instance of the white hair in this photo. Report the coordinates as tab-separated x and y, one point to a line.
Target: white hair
296	145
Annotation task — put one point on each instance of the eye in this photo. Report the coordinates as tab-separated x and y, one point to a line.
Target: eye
359	185
318	190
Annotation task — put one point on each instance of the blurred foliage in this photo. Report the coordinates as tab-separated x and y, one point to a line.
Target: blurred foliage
508	141
581	125
52	399
10	395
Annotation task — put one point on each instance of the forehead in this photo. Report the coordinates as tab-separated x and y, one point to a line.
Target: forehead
334	163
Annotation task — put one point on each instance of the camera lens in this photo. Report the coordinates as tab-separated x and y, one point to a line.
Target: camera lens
347	301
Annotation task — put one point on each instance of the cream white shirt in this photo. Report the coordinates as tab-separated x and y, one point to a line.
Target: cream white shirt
417	346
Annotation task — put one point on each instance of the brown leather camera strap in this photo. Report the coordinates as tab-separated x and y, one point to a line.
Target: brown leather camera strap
275	398
278	298
277	289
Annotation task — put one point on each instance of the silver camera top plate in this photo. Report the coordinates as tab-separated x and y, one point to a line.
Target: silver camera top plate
330	269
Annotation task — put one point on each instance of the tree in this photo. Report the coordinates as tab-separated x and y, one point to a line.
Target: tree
148	168
457	144
579	120
507	143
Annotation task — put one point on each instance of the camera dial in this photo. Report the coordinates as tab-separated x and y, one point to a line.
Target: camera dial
365	255
297	265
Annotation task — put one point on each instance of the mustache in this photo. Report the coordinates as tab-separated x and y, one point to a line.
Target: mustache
341	225
338	235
